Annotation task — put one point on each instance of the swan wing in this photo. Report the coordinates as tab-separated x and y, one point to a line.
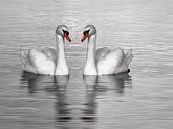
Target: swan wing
115	57
27	60
101	52
35	61
36	57
24	57
50	53
41	62
128	57
112	62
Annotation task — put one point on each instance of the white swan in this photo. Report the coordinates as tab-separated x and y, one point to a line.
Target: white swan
104	61
47	61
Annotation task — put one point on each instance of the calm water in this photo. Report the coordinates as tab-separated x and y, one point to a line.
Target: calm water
142	99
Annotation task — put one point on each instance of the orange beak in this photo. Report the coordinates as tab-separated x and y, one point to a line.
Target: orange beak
84	37
67	37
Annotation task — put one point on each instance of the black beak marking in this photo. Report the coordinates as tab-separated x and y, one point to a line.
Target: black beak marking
86	32
64	31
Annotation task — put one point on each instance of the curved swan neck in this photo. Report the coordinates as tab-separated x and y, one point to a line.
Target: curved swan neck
90	66
92	42
91	48
59	41
61	66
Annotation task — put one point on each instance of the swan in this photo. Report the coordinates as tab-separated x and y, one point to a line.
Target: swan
47	61
104	61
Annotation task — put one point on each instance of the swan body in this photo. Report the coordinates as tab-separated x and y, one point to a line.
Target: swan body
37	61
47	61
104	61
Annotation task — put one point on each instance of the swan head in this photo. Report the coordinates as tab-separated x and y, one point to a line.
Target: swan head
62	30
88	32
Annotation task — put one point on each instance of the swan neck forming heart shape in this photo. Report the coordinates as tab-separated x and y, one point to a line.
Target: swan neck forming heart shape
61	66
90	66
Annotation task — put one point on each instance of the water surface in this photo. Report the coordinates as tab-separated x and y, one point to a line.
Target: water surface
139	99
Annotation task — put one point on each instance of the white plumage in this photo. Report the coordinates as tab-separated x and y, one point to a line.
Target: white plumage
104	61
48	60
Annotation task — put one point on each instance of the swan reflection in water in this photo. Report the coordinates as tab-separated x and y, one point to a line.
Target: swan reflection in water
52	84
36	82
98	85
95	86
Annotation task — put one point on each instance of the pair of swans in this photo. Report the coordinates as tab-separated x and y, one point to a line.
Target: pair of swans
102	61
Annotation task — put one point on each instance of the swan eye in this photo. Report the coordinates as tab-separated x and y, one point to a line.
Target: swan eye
86	32
65	32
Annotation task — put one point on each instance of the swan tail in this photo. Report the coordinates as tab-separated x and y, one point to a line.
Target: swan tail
23	57
128	57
